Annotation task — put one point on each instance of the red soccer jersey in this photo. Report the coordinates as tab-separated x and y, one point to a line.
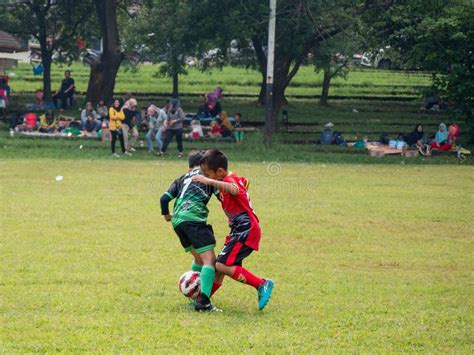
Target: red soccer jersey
235	206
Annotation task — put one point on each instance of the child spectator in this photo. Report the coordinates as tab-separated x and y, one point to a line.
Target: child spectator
196	129
216	130
238	133
226	126
48	123
31	120
116	116
244	236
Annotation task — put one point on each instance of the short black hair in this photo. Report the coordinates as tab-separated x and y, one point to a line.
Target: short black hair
194	157
214	159
238	114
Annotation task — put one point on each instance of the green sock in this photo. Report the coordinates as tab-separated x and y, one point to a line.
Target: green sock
196	267
207	278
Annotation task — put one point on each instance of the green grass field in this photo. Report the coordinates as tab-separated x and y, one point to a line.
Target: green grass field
360	82
366	258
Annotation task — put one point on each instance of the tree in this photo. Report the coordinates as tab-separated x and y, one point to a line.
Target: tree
104	71
334	57
171	32
302	26
55	24
435	35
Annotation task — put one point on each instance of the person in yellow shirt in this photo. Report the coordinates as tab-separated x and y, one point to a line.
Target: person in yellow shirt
48	123
116	116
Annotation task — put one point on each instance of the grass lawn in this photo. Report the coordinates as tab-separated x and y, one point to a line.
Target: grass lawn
361	82
366	258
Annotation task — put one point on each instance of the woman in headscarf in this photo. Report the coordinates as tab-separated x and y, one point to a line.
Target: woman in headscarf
128	124
174	126
415	137
116	116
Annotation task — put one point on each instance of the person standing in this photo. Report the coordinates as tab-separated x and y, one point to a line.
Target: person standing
157	118
128	124
66	90
116	116
174	127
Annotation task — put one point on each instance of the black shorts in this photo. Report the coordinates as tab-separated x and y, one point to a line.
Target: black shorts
233	253
196	235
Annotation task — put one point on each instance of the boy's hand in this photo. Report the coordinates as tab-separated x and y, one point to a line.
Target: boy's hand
167	217
201	179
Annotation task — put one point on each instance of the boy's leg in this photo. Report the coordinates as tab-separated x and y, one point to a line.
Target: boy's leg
197	262
229	262
208	272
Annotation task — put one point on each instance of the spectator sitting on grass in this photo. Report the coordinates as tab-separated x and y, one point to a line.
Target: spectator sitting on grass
327	136
89	115
414	138
48	123
441	135
447	145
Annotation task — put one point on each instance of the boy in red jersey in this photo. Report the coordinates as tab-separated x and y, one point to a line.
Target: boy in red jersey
244	226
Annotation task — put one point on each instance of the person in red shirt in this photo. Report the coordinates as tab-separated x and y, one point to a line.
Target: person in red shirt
244	236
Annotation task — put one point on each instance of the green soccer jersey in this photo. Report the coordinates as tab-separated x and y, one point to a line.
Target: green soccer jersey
191	199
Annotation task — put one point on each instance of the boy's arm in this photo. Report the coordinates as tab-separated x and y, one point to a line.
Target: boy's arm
164	202
166	198
228	187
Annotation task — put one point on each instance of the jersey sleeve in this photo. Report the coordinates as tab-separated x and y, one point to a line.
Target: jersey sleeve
173	190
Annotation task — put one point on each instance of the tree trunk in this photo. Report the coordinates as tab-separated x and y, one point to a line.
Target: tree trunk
46	59
280	82
175	84
262	96
102	75
325	89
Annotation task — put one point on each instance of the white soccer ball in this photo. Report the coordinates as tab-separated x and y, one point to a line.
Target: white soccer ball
190	284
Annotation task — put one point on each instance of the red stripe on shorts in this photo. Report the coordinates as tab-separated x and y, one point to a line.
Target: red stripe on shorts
233	254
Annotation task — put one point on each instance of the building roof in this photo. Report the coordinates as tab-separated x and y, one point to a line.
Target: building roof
10	44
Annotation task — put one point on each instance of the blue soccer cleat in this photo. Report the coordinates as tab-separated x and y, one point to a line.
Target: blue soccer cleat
264	293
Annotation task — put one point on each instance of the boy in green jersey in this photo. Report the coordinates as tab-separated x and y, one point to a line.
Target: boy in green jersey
189	221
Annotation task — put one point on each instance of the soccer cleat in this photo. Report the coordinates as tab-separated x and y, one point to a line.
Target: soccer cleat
116	155
208	307
264	293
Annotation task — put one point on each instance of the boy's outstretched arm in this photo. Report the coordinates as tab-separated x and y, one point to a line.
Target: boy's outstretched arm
221	185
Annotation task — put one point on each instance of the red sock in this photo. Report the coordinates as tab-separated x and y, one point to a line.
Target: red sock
215	287
242	275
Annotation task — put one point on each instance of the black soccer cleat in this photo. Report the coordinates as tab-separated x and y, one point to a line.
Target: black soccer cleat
208	307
